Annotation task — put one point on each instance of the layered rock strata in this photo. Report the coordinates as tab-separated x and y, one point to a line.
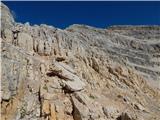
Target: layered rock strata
79	73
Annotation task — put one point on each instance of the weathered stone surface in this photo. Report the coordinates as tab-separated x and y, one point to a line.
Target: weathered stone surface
7	35
110	111
53	112
79	73
71	81
25	41
7	19
81	112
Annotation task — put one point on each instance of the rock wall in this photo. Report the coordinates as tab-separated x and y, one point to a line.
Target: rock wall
79	73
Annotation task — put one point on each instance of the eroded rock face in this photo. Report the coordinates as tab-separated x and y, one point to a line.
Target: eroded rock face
79	73
7	20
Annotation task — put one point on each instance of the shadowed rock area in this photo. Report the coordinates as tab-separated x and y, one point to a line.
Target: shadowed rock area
79	73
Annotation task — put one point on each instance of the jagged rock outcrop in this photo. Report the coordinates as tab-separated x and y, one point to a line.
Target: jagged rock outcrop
7	20
79	73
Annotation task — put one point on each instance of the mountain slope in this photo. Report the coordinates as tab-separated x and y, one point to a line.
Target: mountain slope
79	73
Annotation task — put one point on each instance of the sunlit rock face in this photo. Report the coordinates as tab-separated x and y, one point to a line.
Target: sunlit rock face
79	73
7	19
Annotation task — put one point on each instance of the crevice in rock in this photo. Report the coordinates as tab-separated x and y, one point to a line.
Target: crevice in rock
75	113
124	116
60	59
40	101
73	109
66	90
57	73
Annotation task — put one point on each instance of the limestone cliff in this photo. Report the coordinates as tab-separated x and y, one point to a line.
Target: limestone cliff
79	73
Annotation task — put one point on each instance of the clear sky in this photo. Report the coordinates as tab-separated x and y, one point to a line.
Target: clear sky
98	14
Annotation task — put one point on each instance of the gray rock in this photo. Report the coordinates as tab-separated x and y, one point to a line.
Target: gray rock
71	81
110	111
7	20
80	111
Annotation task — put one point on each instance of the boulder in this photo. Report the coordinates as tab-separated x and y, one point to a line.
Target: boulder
71	81
110	111
80	111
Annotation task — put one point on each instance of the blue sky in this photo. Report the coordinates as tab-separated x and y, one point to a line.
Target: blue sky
97	14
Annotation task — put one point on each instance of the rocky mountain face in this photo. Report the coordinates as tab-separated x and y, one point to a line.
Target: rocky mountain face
79	73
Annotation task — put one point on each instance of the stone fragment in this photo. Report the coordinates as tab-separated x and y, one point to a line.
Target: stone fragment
6	95
139	107
45	108
80	111
72	82
110	111
53	112
43	68
59	107
95	65
83	98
